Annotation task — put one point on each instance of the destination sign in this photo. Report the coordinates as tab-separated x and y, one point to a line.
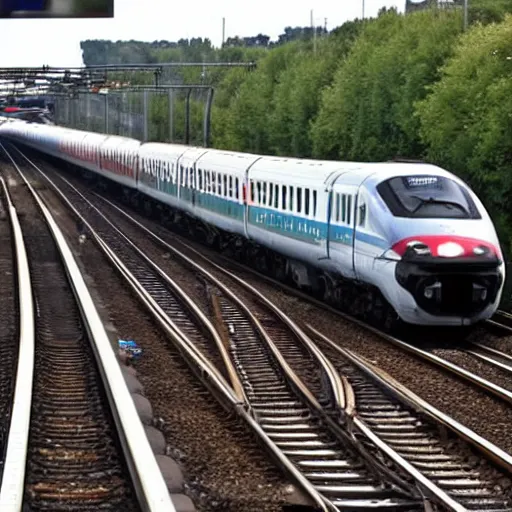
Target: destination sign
422	181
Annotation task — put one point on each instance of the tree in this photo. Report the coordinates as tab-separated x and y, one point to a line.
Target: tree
296	97
245	124
466	121
367	114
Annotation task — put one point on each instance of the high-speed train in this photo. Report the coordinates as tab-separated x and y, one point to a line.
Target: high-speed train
365	235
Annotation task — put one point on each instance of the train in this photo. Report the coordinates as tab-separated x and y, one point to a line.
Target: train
386	241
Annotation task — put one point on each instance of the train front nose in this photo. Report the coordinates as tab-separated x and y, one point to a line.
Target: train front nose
451	278
444	292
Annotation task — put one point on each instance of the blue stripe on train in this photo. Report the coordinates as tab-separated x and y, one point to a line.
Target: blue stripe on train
293	226
309	230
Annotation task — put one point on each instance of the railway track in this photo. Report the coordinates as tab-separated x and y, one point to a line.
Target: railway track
12	298
492	356
501	323
504	318
392	412
74	441
259	368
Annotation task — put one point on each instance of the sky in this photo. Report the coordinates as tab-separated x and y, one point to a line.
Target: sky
56	42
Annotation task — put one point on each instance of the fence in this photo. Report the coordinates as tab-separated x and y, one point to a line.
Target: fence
172	113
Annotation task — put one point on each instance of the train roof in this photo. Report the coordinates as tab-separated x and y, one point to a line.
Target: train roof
383	171
113	141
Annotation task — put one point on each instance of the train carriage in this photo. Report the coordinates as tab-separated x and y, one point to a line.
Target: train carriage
220	189
288	210
187	178
442	252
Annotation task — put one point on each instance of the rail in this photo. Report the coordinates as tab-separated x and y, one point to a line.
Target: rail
11	490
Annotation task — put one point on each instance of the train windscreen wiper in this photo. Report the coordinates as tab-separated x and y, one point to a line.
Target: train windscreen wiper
431	200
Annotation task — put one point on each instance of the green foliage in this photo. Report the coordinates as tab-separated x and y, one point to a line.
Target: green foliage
485	11
244	127
367	114
296	97
466	121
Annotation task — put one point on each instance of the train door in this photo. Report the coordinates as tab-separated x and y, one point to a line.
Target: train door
341	225
194	179
368	245
363	249
246	195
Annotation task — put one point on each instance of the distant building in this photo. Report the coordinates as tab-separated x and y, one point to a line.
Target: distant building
418	5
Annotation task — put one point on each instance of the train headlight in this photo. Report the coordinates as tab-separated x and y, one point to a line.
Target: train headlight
418	248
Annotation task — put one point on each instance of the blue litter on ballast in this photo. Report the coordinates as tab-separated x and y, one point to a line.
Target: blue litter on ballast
131	347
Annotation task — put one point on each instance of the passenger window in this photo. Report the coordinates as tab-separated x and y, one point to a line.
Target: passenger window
225	185
337	207
343	207
264	193
270	193
299	200
252	191
259	192
231	186
349	207
237	184
306	201
291	199
283	203
314	203
276	196
362	215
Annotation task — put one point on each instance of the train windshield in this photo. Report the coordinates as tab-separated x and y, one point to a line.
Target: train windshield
427	196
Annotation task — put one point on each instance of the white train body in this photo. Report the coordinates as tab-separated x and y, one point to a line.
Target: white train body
414	231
